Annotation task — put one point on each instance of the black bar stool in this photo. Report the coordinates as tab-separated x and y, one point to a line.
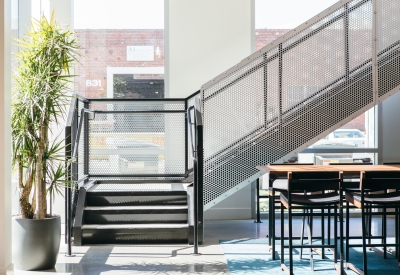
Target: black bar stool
309	191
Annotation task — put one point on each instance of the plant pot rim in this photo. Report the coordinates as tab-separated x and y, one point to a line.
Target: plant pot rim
19	217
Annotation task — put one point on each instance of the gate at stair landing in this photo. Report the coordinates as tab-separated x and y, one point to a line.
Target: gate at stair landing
298	89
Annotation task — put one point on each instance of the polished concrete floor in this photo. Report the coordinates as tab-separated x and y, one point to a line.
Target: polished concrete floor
164	259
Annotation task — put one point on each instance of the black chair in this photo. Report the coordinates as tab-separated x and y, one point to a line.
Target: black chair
373	194
273	199
309	191
352	184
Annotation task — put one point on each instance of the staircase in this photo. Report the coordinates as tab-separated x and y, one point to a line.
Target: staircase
298	89
134	213
269	107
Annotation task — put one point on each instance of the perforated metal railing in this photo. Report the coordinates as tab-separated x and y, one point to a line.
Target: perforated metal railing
126	141
285	97
134	139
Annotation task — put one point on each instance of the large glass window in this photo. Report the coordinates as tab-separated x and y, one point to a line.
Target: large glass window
123	43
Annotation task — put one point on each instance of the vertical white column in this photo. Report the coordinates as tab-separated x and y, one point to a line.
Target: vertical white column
63	13
203	39
5	135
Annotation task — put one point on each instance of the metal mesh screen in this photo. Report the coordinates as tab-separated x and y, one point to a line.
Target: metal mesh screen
295	90
388	45
134	142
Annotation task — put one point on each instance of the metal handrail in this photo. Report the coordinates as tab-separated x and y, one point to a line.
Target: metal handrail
70	159
196	141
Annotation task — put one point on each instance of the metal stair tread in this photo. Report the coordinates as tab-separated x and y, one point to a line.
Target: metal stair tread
137	207
135	226
139	188
136	193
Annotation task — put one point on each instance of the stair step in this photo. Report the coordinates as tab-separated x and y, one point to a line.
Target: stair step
134	233
150	209
132	189
102	199
136	214
134	226
136	193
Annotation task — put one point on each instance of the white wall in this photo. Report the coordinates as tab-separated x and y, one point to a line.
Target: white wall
236	207
391	129
203	39
5	135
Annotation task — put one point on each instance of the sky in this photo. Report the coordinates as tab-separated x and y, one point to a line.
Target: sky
287	14
149	14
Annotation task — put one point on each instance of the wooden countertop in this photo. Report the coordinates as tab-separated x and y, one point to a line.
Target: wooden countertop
346	169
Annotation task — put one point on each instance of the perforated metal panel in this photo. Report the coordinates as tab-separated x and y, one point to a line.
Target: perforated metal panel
134	142
388	45
294	91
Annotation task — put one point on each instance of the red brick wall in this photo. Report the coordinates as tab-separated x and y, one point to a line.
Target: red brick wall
107	48
266	36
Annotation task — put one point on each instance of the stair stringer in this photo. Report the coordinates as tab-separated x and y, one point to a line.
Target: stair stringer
254	173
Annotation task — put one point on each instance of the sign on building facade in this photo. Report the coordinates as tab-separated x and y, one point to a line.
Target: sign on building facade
139	53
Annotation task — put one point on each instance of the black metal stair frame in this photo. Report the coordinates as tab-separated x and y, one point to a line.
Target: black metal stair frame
113	208
130	217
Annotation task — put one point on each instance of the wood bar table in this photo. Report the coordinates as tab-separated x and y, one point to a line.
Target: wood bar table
349	171
280	171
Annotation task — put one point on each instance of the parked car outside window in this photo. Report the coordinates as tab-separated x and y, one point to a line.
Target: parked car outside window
342	138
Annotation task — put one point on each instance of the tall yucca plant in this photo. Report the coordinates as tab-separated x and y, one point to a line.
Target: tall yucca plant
42	79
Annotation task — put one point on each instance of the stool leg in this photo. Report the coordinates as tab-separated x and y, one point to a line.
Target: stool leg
347	231
282	236
302	232
364	243
290	240
309	224
369	222
311	221
272	232
329	226
341	231
269	216
384	228
397	233
335	218
323	232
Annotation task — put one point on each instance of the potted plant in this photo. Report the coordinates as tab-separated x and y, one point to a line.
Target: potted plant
42	84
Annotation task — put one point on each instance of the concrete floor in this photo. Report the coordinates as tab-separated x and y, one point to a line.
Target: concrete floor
163	259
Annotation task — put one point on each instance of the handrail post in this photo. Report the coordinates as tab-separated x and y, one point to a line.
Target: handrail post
196	214
200	180
198	177
258	201
197	150
86	140
69	141
67	194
